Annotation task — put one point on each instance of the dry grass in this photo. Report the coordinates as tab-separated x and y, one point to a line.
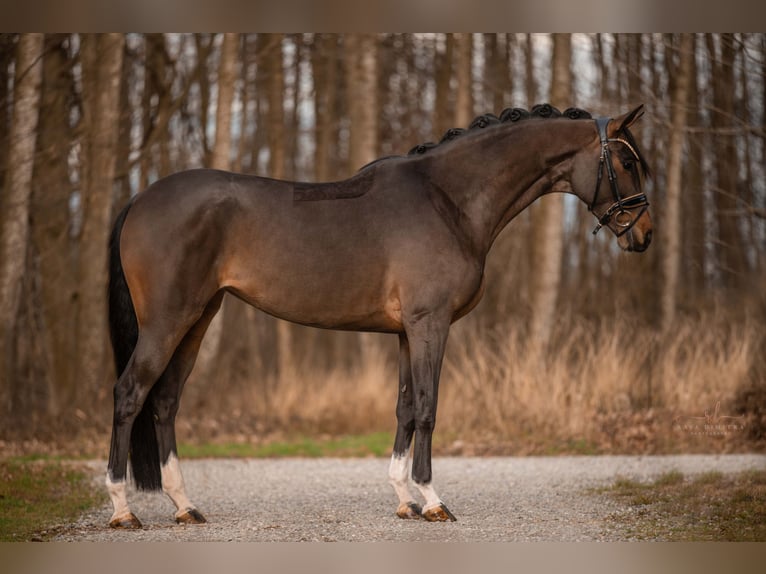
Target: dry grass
606	387
602	387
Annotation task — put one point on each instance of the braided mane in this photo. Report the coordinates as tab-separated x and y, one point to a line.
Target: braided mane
507	115
510	115
487	120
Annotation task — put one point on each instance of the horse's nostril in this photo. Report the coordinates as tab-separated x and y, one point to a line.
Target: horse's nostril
647	238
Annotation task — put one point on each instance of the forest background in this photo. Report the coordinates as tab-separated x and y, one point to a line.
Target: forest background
576	347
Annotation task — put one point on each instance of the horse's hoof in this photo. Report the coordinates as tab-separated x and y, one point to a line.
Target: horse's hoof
409	510
439	514
191	516
127	522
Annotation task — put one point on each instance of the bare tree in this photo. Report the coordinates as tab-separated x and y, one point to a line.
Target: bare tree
220	158
549	214
695	230
464	76
227	79
101	56
442	119
362	97
672	212
7	55
325	77
14	204
529	63
50	227
731	253
361	85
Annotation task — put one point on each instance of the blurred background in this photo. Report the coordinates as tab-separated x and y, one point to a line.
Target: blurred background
576	347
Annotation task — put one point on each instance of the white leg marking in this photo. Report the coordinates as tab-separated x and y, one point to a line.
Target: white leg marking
398	473
118	494
428	492
173	485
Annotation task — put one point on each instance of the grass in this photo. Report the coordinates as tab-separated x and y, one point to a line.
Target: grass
38	495
374	444
707	507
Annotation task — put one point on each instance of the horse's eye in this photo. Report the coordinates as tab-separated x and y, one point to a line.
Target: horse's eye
628	165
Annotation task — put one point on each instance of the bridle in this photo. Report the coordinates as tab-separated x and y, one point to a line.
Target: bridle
621	210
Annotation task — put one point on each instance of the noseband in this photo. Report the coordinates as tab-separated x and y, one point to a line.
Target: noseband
620	211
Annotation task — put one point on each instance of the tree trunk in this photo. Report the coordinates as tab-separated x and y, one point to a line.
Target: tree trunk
695	230
122	167
529	63
204	45
731	254
672	217
227	79
464	75
7	55
325	74
220	158
101	57
277	167
362	96
549	214
745	113
293	123
14	203
497	76
50	227
153	80
362	90
442	119
633	59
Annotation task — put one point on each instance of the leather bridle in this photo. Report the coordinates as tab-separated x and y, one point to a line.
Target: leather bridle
621	211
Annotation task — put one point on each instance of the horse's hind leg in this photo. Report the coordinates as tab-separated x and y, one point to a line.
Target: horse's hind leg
165	399
150	357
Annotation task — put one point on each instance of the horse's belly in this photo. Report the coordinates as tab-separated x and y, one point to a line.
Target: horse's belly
343	306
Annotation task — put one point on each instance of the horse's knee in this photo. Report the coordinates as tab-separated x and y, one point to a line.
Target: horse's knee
425	422
406	422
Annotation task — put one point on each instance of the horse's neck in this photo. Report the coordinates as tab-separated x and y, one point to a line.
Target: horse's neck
502	175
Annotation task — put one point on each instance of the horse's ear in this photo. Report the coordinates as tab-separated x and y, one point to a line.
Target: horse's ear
627	120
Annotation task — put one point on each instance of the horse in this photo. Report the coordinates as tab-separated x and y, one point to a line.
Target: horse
399	247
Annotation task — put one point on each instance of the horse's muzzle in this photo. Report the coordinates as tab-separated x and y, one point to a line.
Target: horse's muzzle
639	246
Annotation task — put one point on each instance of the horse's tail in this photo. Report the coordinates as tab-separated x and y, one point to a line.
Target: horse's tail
123	329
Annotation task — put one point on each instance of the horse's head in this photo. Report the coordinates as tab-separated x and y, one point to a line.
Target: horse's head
610	176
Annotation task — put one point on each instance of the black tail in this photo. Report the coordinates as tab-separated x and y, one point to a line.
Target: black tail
123	329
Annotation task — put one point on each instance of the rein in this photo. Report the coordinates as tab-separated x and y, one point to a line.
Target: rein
620	210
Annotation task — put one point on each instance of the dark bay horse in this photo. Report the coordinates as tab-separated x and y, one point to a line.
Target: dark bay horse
400	248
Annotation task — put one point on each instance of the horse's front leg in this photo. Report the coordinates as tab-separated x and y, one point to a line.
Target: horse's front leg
399	470
427	337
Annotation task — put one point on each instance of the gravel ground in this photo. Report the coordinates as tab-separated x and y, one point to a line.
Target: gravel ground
494	499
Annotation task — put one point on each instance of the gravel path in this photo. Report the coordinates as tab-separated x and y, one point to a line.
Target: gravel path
494	499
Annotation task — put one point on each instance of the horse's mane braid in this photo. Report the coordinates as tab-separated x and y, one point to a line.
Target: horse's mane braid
507	115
